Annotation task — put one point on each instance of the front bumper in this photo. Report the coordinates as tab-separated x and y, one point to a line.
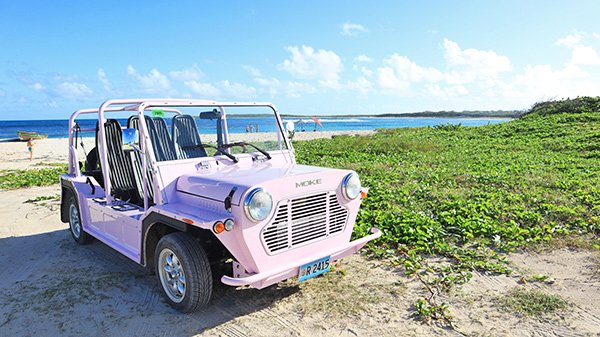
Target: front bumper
267	278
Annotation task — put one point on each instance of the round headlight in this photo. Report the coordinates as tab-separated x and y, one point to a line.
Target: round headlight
258	204
351	186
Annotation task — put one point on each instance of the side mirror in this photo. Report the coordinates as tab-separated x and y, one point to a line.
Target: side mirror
214	114
289	127
130	136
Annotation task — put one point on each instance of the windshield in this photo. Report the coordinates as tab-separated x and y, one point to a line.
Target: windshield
204	132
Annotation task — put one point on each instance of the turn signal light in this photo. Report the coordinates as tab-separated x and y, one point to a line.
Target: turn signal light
363	194
219	227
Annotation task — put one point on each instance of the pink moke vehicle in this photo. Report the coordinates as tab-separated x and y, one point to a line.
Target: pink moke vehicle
168	186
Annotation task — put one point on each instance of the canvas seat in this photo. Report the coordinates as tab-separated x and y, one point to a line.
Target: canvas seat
163	144
186	139
136	158
122	178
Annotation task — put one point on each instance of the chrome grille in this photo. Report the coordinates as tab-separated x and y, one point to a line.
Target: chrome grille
303	220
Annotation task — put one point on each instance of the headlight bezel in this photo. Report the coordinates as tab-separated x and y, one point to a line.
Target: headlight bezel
248	201
345	185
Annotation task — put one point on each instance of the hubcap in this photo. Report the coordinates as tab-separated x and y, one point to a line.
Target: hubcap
74	221
172	276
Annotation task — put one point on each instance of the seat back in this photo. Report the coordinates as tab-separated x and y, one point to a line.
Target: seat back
186	139
122	177
163	144
136	159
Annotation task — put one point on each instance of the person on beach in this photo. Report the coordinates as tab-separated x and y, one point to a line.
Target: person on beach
256	128
30	148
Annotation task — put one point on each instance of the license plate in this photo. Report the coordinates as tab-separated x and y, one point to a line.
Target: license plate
314	268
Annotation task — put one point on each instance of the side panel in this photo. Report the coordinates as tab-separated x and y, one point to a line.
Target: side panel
119	229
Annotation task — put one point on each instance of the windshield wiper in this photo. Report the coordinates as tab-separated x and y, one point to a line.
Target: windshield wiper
230	156
244	144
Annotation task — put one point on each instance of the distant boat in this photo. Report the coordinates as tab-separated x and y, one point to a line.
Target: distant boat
26	135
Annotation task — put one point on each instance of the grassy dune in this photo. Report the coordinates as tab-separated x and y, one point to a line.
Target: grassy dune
467	193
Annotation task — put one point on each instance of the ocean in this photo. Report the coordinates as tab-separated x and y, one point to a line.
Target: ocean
58	128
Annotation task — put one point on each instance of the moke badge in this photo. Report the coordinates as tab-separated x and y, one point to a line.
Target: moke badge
308	183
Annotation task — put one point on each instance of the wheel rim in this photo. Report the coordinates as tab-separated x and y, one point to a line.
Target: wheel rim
172	276
74	221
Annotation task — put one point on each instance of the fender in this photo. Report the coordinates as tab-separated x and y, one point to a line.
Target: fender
65	185
152	219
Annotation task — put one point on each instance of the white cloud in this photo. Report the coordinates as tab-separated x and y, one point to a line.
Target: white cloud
585	55
570	40
468	71
104	80
191	74
400	72
388	80
363	58
72	90
580	54
447	91
361	85
154	82
274	87
205	90
306	63
408	70
352	29
37	86
543	82
237	90
222	89
471	64
363	70
254	72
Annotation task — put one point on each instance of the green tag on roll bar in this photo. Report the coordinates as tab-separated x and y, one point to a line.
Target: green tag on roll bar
158	113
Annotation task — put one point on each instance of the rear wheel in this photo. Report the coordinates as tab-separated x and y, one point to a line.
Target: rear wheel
75	224
183	272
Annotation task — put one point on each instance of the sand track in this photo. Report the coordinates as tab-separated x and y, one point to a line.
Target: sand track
51	286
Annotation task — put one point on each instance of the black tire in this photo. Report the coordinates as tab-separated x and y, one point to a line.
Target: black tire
75	223
193	293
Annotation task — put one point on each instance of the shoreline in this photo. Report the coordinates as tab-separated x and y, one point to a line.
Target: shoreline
15	155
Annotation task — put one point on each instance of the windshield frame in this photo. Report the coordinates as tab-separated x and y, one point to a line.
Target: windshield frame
221	106
146	146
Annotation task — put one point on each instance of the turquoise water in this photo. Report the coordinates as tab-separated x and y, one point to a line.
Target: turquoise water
58	128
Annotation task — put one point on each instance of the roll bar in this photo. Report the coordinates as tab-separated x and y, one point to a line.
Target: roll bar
141	105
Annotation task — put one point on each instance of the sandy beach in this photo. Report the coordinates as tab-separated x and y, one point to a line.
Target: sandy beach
15	155
50	286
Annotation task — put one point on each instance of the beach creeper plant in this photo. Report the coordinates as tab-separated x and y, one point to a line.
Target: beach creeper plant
467	194
11	179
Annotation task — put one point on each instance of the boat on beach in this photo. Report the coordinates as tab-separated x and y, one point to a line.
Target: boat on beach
26	135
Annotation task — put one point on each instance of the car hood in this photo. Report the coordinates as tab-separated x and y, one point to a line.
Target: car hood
236	181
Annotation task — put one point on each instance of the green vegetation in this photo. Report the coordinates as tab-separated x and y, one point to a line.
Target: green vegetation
467	193
532	302
427	311
39	198
11	179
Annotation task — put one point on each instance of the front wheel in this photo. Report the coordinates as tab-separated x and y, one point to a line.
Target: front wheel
183	272
75	224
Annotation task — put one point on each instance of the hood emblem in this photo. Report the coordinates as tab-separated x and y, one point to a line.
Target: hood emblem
307	183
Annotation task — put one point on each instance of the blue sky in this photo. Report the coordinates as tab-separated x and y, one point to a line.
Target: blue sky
308	57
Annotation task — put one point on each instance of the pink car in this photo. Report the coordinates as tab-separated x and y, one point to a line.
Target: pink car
170	187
